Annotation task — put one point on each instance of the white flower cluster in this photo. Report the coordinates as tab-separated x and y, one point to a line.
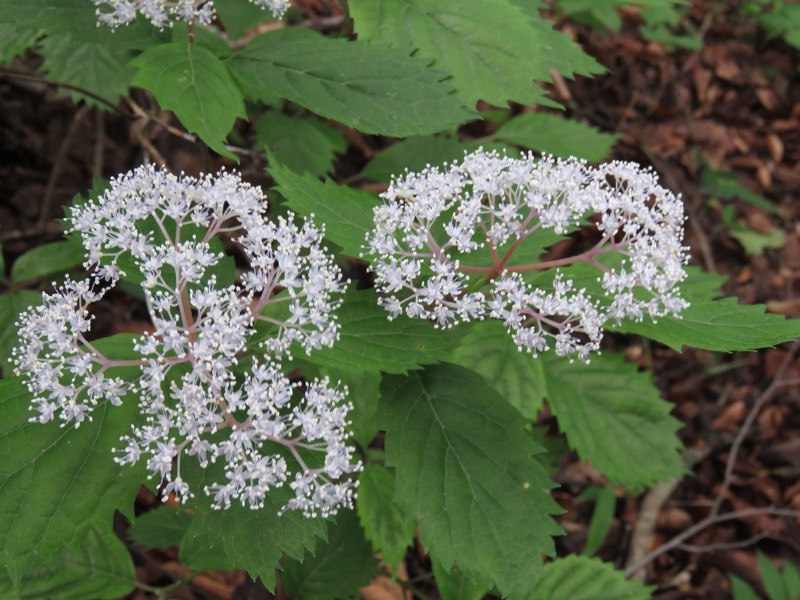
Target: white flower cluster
162	13
440	231
201	391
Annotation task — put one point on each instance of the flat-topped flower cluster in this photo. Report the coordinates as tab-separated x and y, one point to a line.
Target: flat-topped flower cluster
163	13
210	384
447	244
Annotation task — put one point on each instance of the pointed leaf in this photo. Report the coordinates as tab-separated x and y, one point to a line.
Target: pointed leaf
493	51
581	578
345	212
452	584
613	416
465	470
553	134
190	81
371	88
335	569
383	521
517	376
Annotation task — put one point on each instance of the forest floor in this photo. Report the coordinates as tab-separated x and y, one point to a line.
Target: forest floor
732	106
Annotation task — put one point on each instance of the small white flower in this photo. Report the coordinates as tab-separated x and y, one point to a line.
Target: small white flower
163	13
442	230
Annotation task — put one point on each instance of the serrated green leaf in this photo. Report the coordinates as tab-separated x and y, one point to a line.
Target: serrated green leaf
190	81
553	134
371	342
605	501
518	377
452	584
15	42
99	67
336	569
47	259
719	325
370	88
383	521
582	578
58	482
465	470
100	567
613	416
304	145
11	305
345	212
253	540
493	51
162	527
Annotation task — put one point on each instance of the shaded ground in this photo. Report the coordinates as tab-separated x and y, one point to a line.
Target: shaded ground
734	105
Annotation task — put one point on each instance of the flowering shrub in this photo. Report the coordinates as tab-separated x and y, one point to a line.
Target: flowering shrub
435	222
190	388
276	376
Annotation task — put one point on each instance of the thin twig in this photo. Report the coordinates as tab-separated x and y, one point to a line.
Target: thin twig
725	546
745	428
700	525
21	75
58	165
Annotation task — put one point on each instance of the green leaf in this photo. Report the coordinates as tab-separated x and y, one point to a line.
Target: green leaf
582	578
383	521
465	470
304	145
369	341
47	259
58	482
452	584
791	580
253	540
336	569
370	88
346	213
493	51
241	16
613	416
190	81
755	243
100	567
742	590
518	377
15	42
725	186
771	578
719	325
97	66
11	305
553	134
602	517
163	527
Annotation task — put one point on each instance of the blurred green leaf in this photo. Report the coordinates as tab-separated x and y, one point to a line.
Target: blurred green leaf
605	502
162	527
581	578
452	584
726	186
771	578
755	243
47	259
742	590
